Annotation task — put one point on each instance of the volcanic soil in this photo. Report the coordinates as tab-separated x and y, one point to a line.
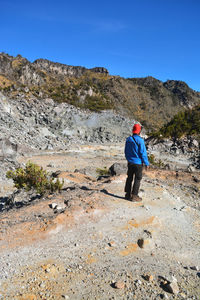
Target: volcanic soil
94	244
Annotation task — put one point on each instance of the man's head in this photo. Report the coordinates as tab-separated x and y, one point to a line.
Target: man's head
136	129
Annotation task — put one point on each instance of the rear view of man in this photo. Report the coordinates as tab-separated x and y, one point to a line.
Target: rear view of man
136	155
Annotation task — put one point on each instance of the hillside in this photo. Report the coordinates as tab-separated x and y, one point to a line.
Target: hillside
148	100
184	123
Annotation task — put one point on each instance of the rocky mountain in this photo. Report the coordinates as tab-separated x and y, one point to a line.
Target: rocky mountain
148	100
49	125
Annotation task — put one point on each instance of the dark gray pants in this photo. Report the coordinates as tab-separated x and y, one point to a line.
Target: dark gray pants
136	170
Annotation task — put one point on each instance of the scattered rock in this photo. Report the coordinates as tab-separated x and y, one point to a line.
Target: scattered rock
164	296
195	268
53	205
148	277
138	281
111	244
65	296
118	169
140	243
119	285
42	285
171	287
195	179
191	169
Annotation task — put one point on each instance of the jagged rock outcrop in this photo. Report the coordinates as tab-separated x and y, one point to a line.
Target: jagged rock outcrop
182	90
65	70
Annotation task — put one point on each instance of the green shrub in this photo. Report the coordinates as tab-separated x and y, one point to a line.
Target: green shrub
184	123
154	162
96	103
102	171
34	177
151	159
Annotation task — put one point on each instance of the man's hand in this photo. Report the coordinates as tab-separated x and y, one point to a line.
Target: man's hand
146	168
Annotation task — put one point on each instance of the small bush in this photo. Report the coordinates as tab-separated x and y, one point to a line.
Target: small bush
102	171
154	162
34	177
96	103
184	123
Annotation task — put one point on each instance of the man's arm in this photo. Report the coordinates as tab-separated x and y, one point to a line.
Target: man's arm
143	153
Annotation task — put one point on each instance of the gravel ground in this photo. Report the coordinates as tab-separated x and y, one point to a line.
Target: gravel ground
102	246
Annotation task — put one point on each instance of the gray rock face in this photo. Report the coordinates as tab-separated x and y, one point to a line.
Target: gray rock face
57	68
181	89
21	69
7	149
37	124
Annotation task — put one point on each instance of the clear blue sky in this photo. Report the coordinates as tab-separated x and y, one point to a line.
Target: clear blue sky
160	38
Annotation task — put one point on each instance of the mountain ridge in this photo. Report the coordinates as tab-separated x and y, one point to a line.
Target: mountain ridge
149	100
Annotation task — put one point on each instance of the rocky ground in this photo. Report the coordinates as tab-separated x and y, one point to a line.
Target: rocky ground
90	243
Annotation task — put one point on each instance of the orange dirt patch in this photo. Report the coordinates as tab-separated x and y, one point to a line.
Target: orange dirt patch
76	177
130	249
27	297
133	223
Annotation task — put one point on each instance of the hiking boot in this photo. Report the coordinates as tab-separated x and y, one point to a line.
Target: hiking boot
135	198
128	196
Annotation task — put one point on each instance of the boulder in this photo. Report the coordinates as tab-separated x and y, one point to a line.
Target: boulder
7	149
118	169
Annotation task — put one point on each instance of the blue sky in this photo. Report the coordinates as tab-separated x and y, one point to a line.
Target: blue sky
159	38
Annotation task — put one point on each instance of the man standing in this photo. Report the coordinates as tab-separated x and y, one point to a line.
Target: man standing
136	155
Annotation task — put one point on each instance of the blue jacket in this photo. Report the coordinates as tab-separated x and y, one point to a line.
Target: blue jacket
135	152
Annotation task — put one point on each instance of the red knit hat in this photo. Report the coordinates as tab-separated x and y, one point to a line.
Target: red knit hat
136	128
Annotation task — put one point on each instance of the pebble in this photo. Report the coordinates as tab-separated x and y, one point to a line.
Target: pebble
111	244
53	205
65	296
172	287
140	243
148	277
47	270
164	296
42	285
195	268
119	285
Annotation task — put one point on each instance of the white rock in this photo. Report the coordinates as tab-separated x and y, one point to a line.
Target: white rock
65	296
195	143
53	205
59	208
172	287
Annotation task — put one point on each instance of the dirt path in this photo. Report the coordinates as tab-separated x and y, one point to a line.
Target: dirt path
101	239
